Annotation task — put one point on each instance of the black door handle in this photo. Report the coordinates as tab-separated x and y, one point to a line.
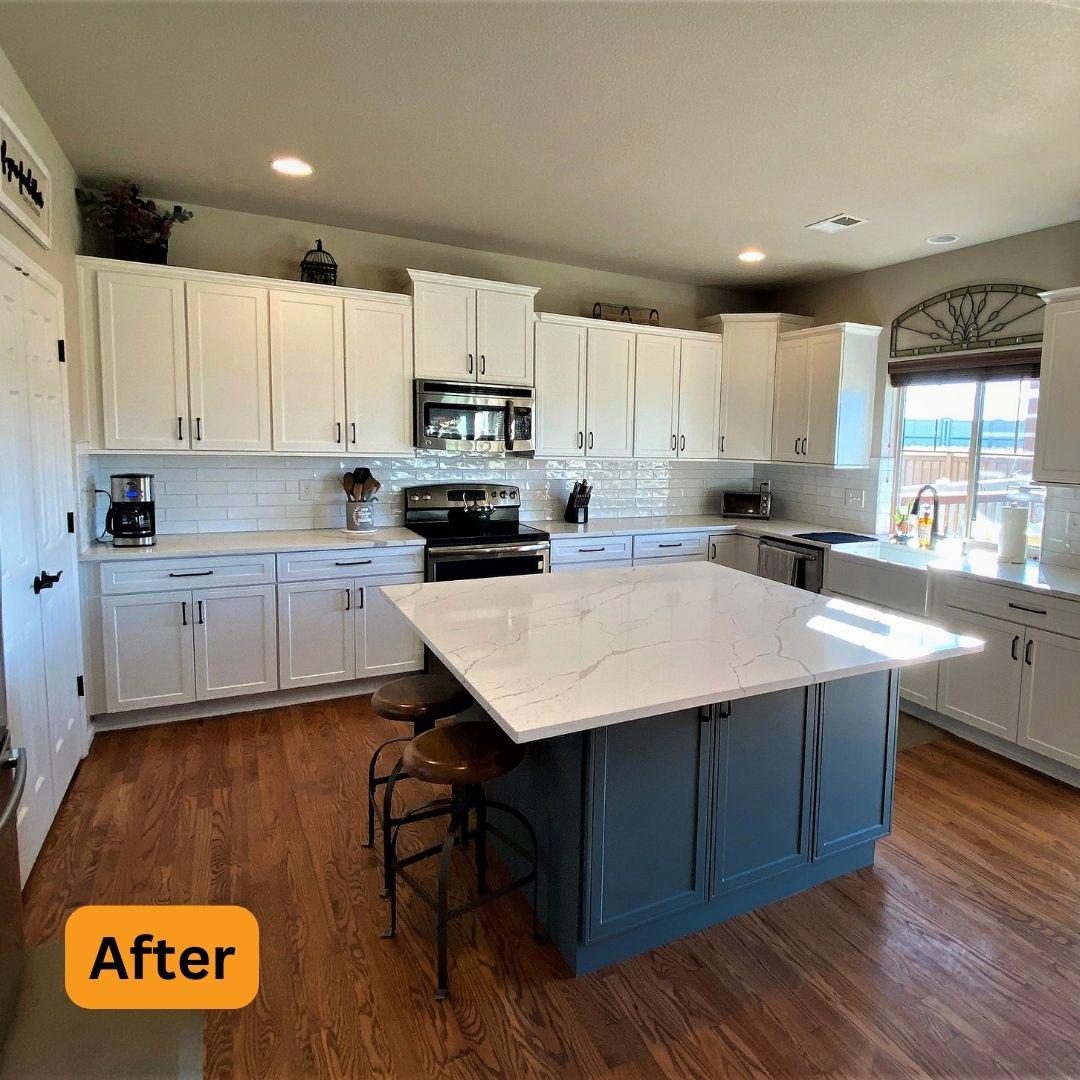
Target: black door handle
1015	647
46	580
1029	651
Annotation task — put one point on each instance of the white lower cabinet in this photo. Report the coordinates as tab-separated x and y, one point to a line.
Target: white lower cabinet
385	642
235	641
316	632
601	564
731	549
983	689
1050	689
149	650
920	685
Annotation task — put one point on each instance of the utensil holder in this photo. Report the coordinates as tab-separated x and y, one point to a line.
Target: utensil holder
360	517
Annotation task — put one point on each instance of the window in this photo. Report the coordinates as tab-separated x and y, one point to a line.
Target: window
975	442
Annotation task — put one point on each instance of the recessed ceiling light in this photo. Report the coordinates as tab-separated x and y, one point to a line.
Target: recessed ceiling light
751	255
943	238
291	166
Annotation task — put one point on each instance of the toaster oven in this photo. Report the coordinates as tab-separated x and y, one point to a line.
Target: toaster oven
747	504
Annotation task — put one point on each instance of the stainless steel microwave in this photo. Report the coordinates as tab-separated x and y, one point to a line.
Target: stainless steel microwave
467	416
747	504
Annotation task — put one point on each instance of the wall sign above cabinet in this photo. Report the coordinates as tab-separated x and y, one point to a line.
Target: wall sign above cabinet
25	185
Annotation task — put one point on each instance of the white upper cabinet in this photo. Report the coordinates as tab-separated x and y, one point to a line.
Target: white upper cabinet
144	361
656	397
229	366
746	404
1057	435
824	398
699	397
468	330
560	389
609	397
378	376
504	337
307	354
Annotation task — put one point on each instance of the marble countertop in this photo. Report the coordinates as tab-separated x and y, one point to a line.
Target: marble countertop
188	545
1033	575
550	654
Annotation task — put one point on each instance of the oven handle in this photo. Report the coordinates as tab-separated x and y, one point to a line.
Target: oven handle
496	550
508	438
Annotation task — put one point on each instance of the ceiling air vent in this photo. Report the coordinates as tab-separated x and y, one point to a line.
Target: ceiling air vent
837	223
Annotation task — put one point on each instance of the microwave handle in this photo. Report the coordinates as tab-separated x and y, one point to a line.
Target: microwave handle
509	425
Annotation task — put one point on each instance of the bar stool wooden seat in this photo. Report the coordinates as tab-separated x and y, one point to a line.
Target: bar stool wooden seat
419	700
465	756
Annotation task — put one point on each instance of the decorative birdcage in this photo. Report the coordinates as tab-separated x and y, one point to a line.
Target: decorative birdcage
319	267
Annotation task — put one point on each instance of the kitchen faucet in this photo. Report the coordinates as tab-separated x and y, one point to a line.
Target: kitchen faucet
937	509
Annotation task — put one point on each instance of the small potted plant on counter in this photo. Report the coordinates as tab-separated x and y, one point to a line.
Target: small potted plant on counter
139	227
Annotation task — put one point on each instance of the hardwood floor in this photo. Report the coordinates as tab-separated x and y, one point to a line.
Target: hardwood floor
957	954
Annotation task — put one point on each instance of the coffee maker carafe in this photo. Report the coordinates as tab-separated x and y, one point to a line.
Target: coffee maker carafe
130	518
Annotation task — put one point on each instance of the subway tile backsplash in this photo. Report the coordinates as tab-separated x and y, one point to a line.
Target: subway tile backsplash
1059	548
818	494
236	493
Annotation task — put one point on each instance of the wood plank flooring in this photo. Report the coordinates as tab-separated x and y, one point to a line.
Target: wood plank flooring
957	954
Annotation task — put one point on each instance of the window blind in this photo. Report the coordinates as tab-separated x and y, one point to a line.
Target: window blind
965	367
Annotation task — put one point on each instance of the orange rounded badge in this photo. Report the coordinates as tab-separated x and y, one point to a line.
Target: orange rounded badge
161	956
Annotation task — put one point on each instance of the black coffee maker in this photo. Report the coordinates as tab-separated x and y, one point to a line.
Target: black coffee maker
130	518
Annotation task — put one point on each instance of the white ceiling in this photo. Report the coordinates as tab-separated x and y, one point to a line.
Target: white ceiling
650	138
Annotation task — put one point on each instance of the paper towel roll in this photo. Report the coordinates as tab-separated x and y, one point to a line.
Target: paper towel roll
1012	536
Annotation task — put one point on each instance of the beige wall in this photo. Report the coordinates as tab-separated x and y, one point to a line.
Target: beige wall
273	247
59	260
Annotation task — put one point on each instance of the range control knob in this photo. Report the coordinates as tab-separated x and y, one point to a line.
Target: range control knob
427	496
502	494
414	498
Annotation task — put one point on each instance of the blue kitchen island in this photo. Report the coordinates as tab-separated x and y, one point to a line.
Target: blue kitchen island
702	741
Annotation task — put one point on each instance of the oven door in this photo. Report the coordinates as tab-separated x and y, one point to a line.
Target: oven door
464	563
450	417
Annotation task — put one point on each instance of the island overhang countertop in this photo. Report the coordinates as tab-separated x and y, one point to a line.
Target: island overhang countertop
551	654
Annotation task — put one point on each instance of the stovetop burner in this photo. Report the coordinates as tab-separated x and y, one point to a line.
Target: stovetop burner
834	537
480	531
468	513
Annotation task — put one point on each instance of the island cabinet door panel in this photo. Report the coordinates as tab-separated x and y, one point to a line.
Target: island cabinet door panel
647	820
235	641
856	760
385	642
764	773
316	632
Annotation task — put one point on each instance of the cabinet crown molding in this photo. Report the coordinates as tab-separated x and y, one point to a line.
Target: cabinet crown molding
635	328
1057	295
119	266
431	277
833	328
718	320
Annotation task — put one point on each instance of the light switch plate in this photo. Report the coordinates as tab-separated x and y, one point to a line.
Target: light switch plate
854	497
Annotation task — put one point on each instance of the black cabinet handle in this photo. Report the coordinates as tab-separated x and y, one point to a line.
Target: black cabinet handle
337	427
470	363
360	597
183	613
1015	647
723	439
354	562
583	551
670	545
192	573
712	552
673	444
1029	651
590	440
180	428
1030	610
353	427
796	446
200	603
483	364
682	443
581	440
348	599
198	429
804	446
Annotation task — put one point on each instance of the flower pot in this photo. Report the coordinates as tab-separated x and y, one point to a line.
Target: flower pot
134	250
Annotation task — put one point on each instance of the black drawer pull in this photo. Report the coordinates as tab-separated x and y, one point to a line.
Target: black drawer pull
1031	610
354	562
583	551
192	573
670	545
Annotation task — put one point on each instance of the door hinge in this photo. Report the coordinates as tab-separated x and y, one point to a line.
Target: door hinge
71	521
80	686
60	350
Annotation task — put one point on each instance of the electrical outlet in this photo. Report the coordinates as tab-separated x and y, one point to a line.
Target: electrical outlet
1072	526
307	491
854	497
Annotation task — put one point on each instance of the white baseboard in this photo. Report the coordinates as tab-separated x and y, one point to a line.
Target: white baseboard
1020	754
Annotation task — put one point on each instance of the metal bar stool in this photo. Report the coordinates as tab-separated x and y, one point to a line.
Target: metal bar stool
419	700
465	756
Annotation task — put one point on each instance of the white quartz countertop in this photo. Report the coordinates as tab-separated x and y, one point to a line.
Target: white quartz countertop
1036	576
546	655
188	545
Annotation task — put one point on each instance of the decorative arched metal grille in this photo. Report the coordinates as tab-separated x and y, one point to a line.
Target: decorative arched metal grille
972	318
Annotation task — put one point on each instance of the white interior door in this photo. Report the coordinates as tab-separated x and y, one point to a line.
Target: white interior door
789	412
307	360
699	398
746	400
235	641
378	376
55	499
656	397
229	366
385	642
143	361
23	647
316	632
560	389
823	359
504	337
609	398
149	649
1049	713
984	689
444	317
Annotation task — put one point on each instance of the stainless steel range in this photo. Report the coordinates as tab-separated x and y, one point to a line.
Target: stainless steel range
473	531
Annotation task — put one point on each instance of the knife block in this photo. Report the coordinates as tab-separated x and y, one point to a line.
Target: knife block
576	515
